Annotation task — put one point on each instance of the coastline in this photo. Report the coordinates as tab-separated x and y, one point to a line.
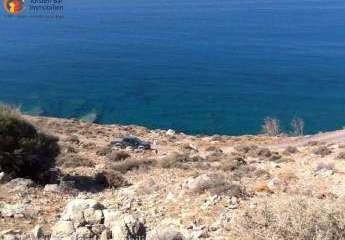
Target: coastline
183	181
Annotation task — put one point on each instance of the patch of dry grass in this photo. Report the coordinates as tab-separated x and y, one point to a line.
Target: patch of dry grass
116	156
341	156
322	151
110	178
290	150
178	160
230	163
291	218
130	164
71	160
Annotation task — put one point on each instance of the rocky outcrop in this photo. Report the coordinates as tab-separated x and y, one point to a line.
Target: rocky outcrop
87	219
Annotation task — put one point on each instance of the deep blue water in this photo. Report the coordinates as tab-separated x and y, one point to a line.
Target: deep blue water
198	66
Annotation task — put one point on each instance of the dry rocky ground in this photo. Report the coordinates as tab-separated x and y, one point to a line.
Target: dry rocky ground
185	187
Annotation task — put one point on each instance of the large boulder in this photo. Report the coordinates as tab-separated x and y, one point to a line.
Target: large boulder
74	211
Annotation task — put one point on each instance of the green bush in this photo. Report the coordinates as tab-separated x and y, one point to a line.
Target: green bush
25	152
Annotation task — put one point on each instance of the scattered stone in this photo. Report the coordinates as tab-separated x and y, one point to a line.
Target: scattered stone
170	132
166	232
54	188
15	210
19	184
215	183
62	230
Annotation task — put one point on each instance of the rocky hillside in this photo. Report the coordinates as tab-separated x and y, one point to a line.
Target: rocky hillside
163	185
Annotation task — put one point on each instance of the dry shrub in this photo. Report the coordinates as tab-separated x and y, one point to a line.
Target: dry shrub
230	163
261	186
25	151
73	139
271	126
147	187
71	160
291	218
104	151
246	148
261	153
313	143
290	150
214	149
215	184
130	164
287	176
110	178
249	171
215	156
178	160
322	151
233	190
297	126
341	156
116	156
187	148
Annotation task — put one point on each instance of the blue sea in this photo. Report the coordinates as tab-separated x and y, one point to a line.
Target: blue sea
197	66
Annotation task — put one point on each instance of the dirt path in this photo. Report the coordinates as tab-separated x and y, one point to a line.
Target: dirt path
328	137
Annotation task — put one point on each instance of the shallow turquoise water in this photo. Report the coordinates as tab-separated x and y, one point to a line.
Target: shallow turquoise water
195	66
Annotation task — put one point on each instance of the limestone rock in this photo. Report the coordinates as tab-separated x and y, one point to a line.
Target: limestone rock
55	188
8	210
74	210
166	232
62	229
111	217
83	233
128	227
20	184
93	216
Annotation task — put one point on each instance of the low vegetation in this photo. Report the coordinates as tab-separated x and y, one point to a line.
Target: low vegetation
291	218
297	126
71	160
116	156
322	151
25	151
271	126
110	179
130	164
